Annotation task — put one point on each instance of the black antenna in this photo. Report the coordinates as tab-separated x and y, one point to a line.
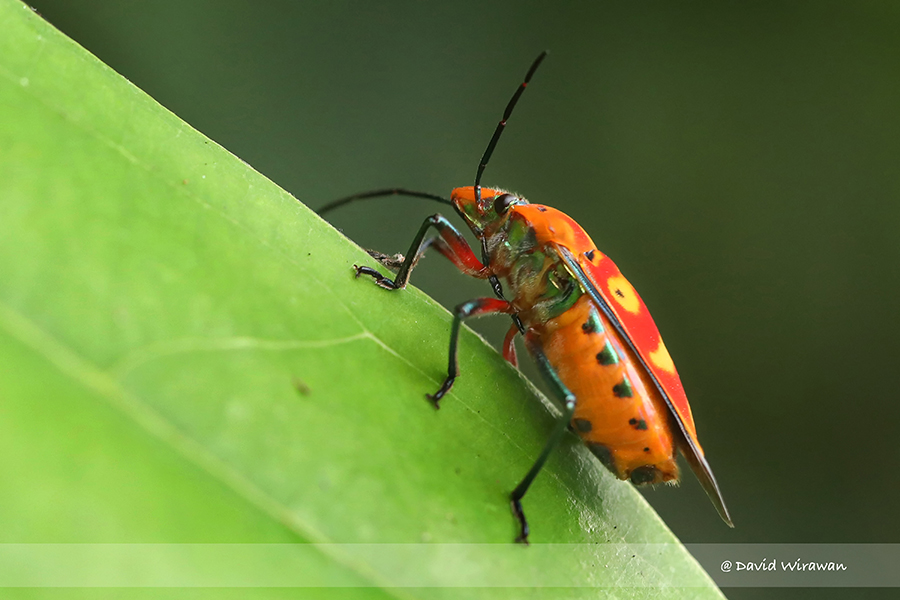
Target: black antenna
377	193
502	124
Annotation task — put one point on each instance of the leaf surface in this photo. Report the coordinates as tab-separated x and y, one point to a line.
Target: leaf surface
185	357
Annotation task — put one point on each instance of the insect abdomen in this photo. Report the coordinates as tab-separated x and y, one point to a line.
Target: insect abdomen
618	413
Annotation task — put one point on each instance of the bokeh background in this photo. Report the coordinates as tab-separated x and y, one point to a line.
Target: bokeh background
739	162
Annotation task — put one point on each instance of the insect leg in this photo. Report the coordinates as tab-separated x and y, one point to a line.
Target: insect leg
556	435
451	244
462	258
509	345
472	308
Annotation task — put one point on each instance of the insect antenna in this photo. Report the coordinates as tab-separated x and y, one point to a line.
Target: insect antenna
502	124
379	193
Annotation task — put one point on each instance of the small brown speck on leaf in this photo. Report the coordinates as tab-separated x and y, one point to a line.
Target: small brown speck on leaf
301	387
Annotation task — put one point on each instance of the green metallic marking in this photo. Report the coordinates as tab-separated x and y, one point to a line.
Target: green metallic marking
471	214
623	389
582	425
556	283
530	239
526	267
530	264
545	278
521	235
564	303
639	424
562	293
593	325
607	356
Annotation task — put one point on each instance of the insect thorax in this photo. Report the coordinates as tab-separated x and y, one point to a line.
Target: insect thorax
537	281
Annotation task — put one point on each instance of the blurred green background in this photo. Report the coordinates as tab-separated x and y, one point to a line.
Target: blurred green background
738	162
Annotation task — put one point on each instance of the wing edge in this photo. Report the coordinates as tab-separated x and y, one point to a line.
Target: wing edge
687	445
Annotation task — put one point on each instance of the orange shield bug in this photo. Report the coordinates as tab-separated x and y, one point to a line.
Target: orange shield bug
586	327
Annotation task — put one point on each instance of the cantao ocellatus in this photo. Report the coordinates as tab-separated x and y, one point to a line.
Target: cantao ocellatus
586	327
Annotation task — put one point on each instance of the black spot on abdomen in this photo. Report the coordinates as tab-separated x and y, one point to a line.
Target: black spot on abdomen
623	389
582	425
643	475
607	356
639	424
605	456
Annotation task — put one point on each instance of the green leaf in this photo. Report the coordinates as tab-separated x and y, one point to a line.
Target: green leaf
185	357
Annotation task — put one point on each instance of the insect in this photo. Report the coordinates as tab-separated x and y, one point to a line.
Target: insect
585	326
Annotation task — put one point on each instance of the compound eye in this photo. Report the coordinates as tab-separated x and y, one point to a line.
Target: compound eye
503	202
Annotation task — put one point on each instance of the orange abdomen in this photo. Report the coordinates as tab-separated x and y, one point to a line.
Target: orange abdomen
618	413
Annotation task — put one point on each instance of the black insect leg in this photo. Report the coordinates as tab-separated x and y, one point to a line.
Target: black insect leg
559	429
458	251
472	308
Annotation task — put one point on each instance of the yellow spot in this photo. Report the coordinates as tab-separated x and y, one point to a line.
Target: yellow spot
622	292
660	357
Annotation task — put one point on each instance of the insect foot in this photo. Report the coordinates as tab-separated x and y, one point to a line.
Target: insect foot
380	279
